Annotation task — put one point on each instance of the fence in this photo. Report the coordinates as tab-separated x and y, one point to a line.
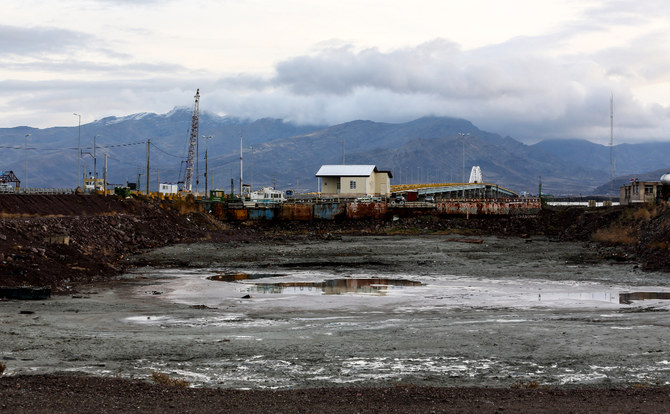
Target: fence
12	190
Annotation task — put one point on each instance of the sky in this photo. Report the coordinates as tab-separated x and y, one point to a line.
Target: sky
529	69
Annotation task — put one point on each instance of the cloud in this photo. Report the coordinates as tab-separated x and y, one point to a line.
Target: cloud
553	85
39	40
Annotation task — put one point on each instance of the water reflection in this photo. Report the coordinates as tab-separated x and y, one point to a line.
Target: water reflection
370	286
628	298
234	277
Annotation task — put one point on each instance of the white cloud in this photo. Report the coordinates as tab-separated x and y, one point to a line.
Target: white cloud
528	69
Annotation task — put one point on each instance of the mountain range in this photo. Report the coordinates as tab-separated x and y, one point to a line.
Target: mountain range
285	155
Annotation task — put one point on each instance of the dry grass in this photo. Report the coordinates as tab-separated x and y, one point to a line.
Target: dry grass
165	379
615	234
186	205
529	385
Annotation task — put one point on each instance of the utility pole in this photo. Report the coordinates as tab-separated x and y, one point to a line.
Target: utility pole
252	169
105	177
241	164
26	153
611	145
207	138
158	180
79	183
342	152
148	166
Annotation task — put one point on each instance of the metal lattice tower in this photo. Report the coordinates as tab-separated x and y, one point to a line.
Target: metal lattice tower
188	178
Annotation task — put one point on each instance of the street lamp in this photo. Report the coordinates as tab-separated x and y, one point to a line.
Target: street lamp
207	138
463	182
78	152
26	151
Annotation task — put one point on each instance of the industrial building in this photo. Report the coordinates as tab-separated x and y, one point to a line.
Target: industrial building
644	191
354	180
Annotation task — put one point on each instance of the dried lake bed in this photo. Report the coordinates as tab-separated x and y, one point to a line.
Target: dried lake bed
360	310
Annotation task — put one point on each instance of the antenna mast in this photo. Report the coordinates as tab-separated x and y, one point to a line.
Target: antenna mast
188	179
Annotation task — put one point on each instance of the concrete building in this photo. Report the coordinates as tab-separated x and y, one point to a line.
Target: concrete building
354	180
640	192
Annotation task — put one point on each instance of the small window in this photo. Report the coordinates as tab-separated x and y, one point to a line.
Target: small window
352	185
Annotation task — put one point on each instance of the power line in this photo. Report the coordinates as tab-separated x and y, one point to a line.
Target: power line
165	152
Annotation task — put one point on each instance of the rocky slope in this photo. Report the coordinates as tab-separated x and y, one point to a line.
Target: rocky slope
59	241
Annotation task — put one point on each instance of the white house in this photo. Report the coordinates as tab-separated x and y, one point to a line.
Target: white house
354	180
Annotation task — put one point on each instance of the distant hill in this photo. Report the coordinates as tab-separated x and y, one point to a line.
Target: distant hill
617	182
629	159
429	149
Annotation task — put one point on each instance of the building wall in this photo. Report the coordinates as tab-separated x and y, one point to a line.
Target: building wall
329	185
377	184
639	192
360	186
382	184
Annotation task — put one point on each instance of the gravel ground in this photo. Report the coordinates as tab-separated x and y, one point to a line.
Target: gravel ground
81	394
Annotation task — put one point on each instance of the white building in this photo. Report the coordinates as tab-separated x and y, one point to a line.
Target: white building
167	188
354	180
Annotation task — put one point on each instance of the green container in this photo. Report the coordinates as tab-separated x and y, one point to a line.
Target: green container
216	195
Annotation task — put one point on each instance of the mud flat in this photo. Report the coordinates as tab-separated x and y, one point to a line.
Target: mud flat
356	311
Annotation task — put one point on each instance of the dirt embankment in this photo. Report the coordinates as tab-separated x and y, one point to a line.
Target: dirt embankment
60	241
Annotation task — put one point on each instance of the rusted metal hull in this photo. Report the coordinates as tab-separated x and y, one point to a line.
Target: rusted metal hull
262	213
489	207
331	211
380	211
366	210
296	212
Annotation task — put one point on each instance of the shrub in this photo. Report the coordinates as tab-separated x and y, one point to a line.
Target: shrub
615	234
164	379
526	384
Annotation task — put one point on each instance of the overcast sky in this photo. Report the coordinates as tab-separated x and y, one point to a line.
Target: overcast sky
531	69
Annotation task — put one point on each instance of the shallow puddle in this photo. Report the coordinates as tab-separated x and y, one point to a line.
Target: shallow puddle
628	298
369	286
234	277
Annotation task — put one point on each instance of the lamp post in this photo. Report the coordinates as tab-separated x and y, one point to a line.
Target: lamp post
207	138
463	178
79	152
26	151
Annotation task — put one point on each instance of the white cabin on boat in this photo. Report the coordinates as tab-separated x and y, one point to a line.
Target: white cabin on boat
266	195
